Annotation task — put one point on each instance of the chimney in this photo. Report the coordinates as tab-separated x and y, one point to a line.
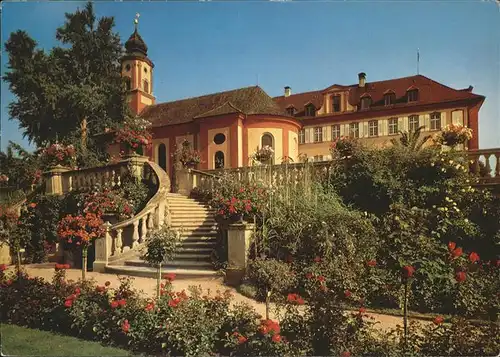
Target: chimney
288	91
362	79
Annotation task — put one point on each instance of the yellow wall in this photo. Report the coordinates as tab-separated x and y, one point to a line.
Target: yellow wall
255	136
310	148
240	145
293	146
224	147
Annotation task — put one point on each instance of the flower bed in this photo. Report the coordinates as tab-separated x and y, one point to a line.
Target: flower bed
202	324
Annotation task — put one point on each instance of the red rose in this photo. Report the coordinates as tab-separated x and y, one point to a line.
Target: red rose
150	307
32	205
317	259
68	303
174	302
114	304
309	275
347	293
122	302
346	354
242	339
107	283
457	252
408	271
473	257
276	338
362	310
371	263
323	287
3	267
77	291
438	320
9	282
460	276
125	326
452	246
321	278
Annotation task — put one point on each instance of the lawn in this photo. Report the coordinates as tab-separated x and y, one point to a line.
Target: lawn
23	341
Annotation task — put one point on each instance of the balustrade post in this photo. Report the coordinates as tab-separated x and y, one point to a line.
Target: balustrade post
497	166
54	184
144	229
238	244
151	222
102	250
118	242
135	235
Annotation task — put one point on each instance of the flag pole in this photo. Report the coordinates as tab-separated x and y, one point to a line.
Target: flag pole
418	61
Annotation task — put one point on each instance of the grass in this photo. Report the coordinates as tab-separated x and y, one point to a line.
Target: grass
21	341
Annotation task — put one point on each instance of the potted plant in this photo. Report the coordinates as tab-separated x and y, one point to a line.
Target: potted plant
135	135
188	157
454	134
58	155
263	155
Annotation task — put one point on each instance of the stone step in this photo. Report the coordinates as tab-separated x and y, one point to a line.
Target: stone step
193	219
195	249
184	226
188	208
149	272
198	244
199	257
184	264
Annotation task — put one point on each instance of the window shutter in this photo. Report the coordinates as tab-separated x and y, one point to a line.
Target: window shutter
457	117
327	133
443	120
343	130
404	124
306	136
311	135
427	122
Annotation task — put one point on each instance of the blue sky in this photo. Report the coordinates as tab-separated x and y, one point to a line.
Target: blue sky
205	47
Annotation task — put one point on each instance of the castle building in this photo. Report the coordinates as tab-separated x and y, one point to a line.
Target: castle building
227	127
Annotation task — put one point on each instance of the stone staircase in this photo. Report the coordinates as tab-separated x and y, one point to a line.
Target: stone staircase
198	230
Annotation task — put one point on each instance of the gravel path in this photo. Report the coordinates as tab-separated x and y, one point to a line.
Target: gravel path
148	287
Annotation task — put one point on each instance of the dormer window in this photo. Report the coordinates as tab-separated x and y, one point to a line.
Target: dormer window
310	110
365	103
290	111
336	103
412	95
389	98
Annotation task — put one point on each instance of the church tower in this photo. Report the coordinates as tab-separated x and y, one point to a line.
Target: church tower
137	69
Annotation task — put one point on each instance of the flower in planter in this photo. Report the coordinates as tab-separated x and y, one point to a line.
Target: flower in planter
295	299
187	156
452	246
460	276
454	134
125	326
135	134
457	252
473	257
58	154
263	154
438	320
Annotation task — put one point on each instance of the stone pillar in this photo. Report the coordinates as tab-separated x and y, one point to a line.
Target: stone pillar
238	244
54	180
5	257
102	250
184	181
137	165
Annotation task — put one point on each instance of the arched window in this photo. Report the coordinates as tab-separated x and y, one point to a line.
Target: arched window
219	160
146	86
268	140
128	83
162	156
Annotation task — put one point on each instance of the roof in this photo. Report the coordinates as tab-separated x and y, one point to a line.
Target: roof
135	44
249	100
430	91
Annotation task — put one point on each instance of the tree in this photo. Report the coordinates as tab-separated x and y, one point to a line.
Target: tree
411	139
73	91
19	165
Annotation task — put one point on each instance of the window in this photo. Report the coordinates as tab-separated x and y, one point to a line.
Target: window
413	123
219	160
290	111
219	139
267	140
310	110
145	70
302	136
412	95
128	83
365	103
162	156
335	131
390	98
436	121
393	126
318	134
318	158
373	128
354	130
127	67
336	103
146	86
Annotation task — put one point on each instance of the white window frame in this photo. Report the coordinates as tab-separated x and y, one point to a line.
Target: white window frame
435	118
318	134
302	136
318	158
411	122
335	131
354	130
393	123
373	128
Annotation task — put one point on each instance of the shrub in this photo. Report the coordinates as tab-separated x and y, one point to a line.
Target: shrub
270	275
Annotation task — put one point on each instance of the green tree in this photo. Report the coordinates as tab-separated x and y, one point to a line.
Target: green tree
73	91
412	139
19	165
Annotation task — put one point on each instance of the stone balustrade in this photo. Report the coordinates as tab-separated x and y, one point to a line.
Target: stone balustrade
490	160
128	236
